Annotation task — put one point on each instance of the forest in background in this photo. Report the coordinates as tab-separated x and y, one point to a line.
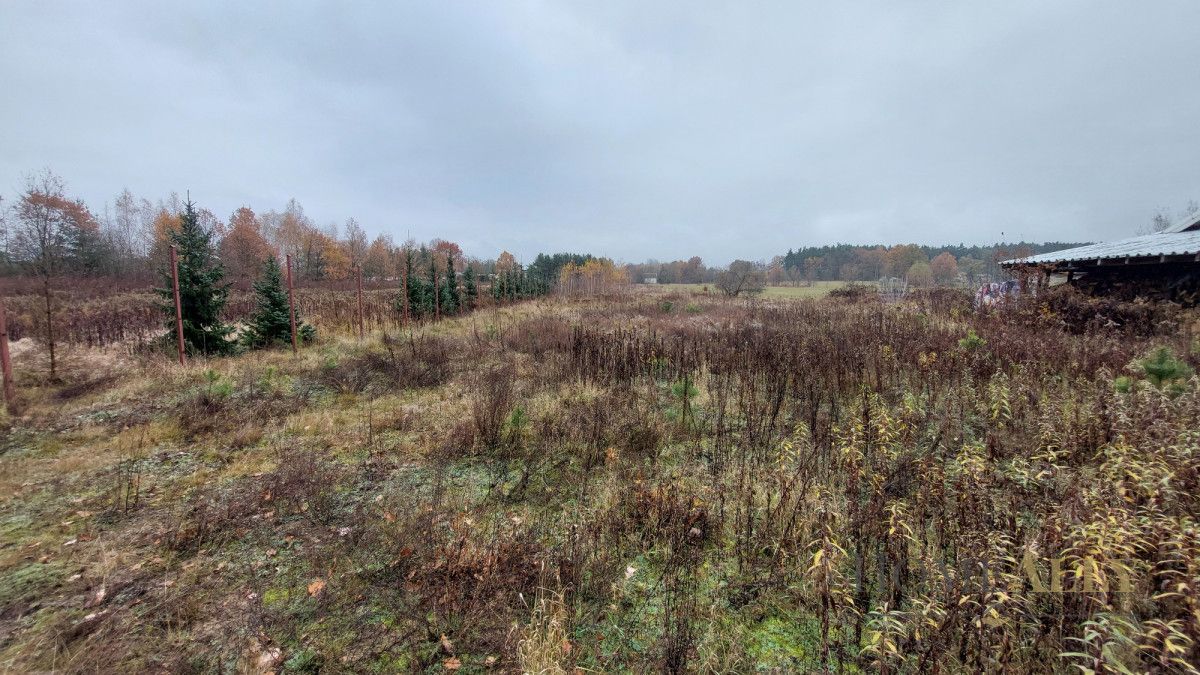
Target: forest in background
45	230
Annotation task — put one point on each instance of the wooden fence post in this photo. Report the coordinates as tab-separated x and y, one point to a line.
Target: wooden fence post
360	306
10	393
178	304
291	303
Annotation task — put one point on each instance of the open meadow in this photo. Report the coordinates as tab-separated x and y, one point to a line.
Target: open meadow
635	482
815	289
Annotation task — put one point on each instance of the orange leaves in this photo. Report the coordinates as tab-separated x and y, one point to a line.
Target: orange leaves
452	663
597	275
316	587
336	258
244	248
505	262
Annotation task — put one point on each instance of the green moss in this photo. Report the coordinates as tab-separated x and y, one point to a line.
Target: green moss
15	523
32	580
392	663
304	661
275	597
784	643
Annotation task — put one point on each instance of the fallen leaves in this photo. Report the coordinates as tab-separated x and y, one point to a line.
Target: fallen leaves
97	598
315	588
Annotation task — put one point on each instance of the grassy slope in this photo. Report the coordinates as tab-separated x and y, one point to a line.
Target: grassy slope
100	476
334	511
129	543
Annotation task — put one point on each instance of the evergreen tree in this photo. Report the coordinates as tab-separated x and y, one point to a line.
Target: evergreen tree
406	287
202	291
435	306
420	294
470	289
450	300
272	322
517	284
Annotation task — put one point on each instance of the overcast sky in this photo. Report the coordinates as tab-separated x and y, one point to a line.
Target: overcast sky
629	129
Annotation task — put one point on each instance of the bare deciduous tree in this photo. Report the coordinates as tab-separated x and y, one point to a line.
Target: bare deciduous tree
742	276
48	231
356	242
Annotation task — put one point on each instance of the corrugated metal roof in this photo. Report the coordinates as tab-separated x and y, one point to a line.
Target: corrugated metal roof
1179	243
1185	224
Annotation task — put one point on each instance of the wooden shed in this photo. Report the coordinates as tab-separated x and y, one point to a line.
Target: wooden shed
1163	265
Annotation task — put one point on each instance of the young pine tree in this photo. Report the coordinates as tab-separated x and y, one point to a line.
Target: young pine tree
431	290
470	289
202	291
450	297
271	322
516	285
420	300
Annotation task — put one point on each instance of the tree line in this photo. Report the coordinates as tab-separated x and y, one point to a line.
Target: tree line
127	239
921	265
49	236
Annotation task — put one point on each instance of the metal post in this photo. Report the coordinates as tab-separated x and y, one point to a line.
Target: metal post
178	304
291	303
10	393
407	263
360	307
437	295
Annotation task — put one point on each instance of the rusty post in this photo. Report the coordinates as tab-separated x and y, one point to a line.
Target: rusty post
291	303
178	304
437	294
360	307
407	263
10	393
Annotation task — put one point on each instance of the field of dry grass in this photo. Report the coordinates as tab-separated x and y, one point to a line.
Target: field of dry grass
817	289
664	481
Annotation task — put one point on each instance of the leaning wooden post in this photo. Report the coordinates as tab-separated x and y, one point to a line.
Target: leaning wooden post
291	303
178	304
10	392
360	307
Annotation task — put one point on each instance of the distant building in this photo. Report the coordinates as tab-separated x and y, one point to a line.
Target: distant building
1163	265
649	280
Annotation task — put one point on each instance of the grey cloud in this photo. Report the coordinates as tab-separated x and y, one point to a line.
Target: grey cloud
628	129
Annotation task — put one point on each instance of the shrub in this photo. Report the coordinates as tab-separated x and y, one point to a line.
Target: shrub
403	364
972	342
852	292
1163	370
492	403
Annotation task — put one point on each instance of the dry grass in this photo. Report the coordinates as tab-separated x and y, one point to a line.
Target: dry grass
543	648
817	289
711	486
